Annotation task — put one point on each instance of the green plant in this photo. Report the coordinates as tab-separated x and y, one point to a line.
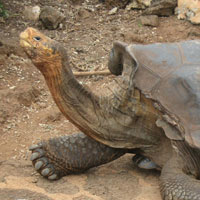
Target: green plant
3	11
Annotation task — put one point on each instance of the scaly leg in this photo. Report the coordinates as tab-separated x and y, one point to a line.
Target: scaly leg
69	154
179	177
144	162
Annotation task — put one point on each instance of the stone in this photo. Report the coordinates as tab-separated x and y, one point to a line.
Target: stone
32	13
28	95
2	20
113	11
115	3
154	7
146	3
51	18
190	10
161	8
83	13
194	33
149	20
3	116
135	5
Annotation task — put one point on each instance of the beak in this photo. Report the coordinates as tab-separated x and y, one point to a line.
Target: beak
23	39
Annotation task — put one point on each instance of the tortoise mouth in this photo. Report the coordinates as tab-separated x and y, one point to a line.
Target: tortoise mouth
24	43
23	39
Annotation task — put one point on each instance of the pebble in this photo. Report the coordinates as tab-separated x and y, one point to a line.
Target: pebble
113	11
149	20
51	18
32	13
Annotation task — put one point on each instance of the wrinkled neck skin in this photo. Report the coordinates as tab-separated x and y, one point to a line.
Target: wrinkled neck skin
111	120
78	104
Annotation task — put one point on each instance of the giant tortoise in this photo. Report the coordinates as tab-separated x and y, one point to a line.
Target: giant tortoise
154	112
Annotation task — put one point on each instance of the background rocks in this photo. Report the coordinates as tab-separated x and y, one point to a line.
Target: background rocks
154	7
190	10
32	13
161	8
149	20
51	18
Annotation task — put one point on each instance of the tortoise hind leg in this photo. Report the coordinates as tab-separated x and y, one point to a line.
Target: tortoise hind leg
69	154
176	183
144	162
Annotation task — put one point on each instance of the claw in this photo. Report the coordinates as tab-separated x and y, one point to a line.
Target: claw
40	151
147	164
53	177
45	172
44	160
38	164
35	156
35	146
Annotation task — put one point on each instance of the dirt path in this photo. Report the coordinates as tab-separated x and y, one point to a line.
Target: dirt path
28	113
114	181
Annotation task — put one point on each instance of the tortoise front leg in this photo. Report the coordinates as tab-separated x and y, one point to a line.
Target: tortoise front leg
69	154
176	184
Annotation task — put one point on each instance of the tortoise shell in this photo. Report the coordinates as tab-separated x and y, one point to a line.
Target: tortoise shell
169	74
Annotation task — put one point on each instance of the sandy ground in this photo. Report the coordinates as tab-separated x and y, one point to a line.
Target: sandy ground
28	113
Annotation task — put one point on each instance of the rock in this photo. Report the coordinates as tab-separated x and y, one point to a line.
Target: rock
154	7
55	116
51	18
113	11
194	33
32	13
195	19
3	116
136	5
190	10
115	3
146	3
161	8
76	2
149	20
2	20
28	95
83	13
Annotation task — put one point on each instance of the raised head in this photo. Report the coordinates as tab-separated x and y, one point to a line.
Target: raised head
42	50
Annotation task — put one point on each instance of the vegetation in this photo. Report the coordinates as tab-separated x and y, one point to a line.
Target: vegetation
3	11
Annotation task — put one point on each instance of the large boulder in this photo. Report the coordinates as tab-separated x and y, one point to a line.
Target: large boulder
190	10
139	4
154	7
115	3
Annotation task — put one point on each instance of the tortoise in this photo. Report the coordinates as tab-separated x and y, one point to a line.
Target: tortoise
154	112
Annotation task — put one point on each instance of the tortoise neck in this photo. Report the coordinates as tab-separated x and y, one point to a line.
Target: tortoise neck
77	103
109	120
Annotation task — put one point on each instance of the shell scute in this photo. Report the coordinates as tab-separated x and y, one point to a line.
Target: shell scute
170	74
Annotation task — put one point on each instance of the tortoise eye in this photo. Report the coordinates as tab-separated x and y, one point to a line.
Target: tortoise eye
37	38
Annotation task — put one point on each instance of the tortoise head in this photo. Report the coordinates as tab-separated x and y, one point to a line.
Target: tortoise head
42	50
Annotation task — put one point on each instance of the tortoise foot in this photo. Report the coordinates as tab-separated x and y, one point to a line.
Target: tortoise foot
179	178
143	162
69	154
42	164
